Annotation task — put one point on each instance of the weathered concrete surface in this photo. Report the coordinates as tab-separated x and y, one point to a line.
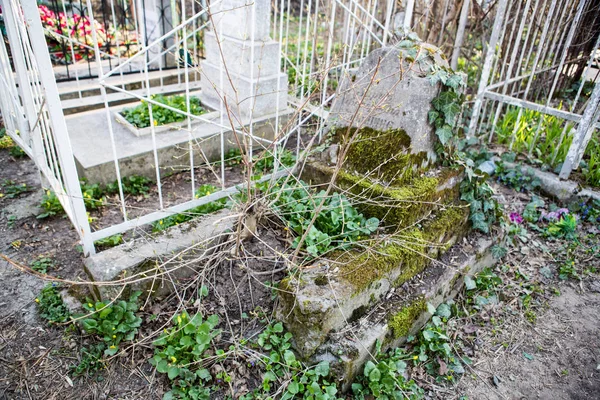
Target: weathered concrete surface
325	298
252	84
565	191
348	349
158	260
395	93
395	205
90	140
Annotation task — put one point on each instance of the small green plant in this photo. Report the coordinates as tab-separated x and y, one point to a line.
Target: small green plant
208	208
93	195
385	378
11	189
90	360
109	242
337	225
114	323
433	347
135	185
565	227
17	152
283	368
51	205
567	270
51	306
233	157
484	209
42	264
139	116
591	163
516	179
548	148
266	162
531	212
482	290
178	352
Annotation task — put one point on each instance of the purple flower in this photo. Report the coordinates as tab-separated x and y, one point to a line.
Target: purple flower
516	218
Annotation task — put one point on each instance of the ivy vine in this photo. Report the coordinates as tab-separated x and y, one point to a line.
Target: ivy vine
445	118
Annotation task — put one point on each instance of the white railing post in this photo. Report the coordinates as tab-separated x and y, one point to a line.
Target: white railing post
56	120
487	66
582	135
460	33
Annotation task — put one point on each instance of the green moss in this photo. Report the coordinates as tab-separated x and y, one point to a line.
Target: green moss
406	252
400	206
384	155
401	322
451	221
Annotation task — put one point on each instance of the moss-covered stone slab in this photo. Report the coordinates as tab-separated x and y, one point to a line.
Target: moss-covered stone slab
390	90
403	313
342	287
396	205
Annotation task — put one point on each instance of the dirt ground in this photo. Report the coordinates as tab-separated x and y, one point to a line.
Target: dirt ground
557	356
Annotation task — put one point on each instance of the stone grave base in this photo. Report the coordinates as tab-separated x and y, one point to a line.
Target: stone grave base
404	311
90	140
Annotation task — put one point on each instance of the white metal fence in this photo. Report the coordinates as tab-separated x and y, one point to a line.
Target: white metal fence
268	71
536	46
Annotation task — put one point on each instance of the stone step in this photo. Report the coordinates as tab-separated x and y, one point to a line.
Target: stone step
402	205
77	105
403	312
342	287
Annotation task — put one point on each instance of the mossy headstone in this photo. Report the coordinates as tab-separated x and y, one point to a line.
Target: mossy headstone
382	108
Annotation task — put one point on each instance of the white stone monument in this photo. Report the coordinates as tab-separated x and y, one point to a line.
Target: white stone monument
242	62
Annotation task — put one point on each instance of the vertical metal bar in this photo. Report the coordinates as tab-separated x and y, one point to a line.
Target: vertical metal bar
408	13
59	126
557	75
489	58
108	114
460	33
534	67
582	135
511	63
388	19
148	94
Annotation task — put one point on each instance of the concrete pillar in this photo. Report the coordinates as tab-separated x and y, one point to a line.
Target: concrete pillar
243	66
155	17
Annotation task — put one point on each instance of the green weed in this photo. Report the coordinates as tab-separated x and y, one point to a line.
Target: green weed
139	116
51	306
113	323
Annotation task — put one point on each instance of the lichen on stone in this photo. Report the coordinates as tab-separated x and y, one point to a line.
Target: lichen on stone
395	205
405	251
401	322
383	155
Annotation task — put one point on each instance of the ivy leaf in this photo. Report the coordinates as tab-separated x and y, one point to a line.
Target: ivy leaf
499	252
433	116
173	372
470	283
375	375
444	311
372	224
322	368
451	111
455	81
293	387
444	134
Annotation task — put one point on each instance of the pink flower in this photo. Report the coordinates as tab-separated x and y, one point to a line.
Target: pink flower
516	218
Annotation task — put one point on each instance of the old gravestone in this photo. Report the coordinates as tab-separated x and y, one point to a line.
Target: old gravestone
380	135
388	97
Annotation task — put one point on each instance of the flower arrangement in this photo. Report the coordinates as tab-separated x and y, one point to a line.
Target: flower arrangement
78	28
